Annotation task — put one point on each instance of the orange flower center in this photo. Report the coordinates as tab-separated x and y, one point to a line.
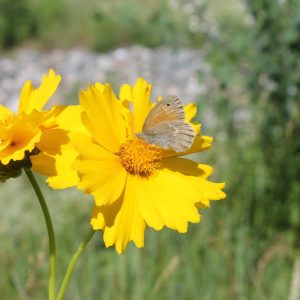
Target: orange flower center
139	157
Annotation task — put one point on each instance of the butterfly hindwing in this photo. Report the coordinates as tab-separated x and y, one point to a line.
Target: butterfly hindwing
176	135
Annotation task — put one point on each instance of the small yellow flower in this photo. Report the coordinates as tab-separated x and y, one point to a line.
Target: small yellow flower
36	137
134	183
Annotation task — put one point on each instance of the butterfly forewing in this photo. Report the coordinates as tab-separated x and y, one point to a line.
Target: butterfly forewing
165	126
168	109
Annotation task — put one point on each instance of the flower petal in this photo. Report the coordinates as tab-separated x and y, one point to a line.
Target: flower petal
23	137
124	95
167	199
201	143
196	175
100	173
4	112
69	118
190	111
140	98
31	98
102	115
43	164
56	159
122	221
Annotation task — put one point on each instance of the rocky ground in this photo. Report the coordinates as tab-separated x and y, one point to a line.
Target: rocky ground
170	71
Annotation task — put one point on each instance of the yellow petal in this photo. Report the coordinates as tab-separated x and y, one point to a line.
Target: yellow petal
46	119
140	98
43	164
190	111
169	200
4	112
123	221
24	104
53	140
65	176
31	98
100	173
88	149
24	135
100	87
124	95
125	92
102	115
69	118
196	175
201	143
97	218
6	125
56	159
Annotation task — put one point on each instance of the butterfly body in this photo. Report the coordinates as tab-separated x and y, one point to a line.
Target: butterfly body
165	126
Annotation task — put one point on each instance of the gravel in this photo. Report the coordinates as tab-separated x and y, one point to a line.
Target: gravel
170	71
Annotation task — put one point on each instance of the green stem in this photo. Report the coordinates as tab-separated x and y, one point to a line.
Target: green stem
52	262
72	263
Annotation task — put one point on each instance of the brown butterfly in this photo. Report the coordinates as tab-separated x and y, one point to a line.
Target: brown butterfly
165	126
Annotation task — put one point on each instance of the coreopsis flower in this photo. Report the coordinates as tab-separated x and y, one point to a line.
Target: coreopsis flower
38	138
136	183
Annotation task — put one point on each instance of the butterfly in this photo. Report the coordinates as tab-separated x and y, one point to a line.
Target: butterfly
165	126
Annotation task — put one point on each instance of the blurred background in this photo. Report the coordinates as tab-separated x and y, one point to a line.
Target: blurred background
239	61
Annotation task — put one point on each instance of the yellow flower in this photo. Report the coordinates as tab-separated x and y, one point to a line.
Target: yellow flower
36	137
136	184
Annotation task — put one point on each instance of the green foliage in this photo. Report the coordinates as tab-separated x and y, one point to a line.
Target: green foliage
263	62
216	259
16	22
51	18
258	76
278	44
29	20
103	26
130	23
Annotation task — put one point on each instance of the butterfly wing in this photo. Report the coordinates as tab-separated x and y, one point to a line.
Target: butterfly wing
168	109
165	126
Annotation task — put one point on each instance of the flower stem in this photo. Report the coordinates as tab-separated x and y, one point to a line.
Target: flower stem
72	263
52	250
